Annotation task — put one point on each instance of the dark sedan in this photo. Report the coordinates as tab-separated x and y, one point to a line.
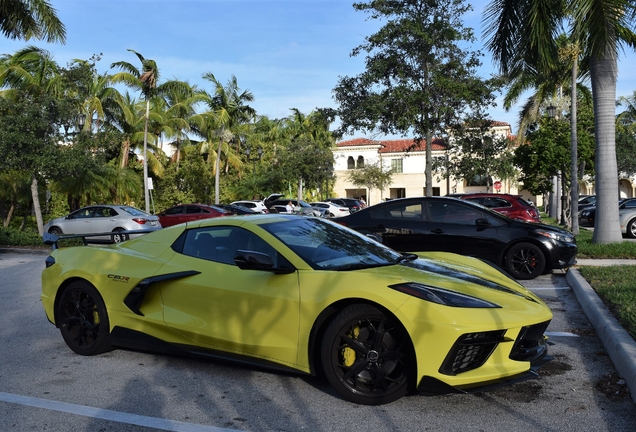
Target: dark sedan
525	250
588	215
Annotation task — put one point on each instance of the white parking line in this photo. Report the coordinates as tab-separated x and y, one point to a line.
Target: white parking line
104	414
548	288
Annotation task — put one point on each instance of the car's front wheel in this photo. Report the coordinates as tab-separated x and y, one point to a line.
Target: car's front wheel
82	319
525	261
55	231
367	356
631	228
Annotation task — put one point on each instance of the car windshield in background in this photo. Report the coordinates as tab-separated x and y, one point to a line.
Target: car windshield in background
328	246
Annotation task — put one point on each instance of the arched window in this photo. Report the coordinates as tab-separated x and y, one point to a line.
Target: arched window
351	164
360	163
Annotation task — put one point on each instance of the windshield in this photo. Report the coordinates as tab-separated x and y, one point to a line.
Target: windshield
325	245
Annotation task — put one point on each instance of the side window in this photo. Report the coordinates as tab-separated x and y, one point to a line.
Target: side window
84	213
351	163
452	213
411	212
193	209
174	211
496	203
219	244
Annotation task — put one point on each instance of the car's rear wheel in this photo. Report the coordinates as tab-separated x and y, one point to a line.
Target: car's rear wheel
367	356
83	320
118	235
631	228
55	231
525	261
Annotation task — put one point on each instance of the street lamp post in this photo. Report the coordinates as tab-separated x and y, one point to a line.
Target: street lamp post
248	151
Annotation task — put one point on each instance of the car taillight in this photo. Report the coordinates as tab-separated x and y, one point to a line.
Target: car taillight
140	221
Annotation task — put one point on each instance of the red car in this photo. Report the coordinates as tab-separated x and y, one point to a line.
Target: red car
189	212
512	206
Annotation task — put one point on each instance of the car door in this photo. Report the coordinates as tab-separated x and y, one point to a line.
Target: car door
453	227
172	216
79	222
248	312
401	226
104	220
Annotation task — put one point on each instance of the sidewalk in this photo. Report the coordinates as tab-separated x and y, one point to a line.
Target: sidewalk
617	342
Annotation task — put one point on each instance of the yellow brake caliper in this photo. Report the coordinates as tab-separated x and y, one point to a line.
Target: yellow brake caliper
348	353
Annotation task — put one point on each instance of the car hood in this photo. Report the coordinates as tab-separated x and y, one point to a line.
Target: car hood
462	274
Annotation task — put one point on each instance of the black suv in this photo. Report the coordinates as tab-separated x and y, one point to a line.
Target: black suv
352	204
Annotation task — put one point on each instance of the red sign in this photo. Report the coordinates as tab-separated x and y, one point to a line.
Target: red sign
497	185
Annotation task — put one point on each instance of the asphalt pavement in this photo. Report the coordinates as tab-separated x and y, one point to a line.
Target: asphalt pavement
620	346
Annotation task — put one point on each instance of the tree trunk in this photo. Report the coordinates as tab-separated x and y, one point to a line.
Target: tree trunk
604	72
146	194
574	176
36	205
429	164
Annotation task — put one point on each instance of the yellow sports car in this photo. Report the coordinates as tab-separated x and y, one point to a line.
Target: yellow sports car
301	294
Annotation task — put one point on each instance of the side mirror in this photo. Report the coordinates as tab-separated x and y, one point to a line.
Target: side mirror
253	260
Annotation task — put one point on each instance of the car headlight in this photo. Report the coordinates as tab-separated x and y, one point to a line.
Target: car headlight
566	238
442	296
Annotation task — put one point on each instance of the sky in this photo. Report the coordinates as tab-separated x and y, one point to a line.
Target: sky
287	53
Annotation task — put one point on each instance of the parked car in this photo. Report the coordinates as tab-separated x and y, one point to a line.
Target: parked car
104	218
300	207
525	250
513	206
588	215
189	212
330	209
352	204
237	209
256	205
302	295
627	218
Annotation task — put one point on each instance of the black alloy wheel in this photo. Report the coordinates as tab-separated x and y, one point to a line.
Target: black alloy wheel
525	261
82	319
367	356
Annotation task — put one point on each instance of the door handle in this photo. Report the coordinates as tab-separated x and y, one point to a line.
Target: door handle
438	231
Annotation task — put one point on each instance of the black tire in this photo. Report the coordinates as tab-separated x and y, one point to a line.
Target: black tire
367	356
83	320
525	261
118	236
631	228
55	231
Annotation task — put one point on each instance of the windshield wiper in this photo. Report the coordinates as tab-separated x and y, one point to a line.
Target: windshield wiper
406	257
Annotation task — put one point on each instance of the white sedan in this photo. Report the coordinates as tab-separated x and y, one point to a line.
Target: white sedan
334	210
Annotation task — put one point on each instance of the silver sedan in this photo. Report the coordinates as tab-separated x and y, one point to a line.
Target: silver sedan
627	218
115	219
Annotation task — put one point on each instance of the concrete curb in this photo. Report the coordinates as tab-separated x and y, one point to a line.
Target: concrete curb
617	342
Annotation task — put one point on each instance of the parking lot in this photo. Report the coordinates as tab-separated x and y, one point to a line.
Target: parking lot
45	386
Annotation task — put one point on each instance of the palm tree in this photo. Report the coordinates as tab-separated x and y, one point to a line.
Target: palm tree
144	80
229	109
27	19
521	34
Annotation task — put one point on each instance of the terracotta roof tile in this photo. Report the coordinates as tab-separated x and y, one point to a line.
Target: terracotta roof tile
394	146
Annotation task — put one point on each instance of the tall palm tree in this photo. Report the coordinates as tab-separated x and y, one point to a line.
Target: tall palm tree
521	33
145	80
31	19
228	104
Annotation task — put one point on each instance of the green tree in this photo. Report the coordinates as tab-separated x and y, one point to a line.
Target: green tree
626	136
418	78
228	116
31	19
476	150
521	34
371	176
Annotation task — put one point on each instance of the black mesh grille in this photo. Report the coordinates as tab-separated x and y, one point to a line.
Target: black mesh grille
530	344
471	351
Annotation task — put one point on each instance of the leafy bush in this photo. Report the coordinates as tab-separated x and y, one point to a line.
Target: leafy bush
14	237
